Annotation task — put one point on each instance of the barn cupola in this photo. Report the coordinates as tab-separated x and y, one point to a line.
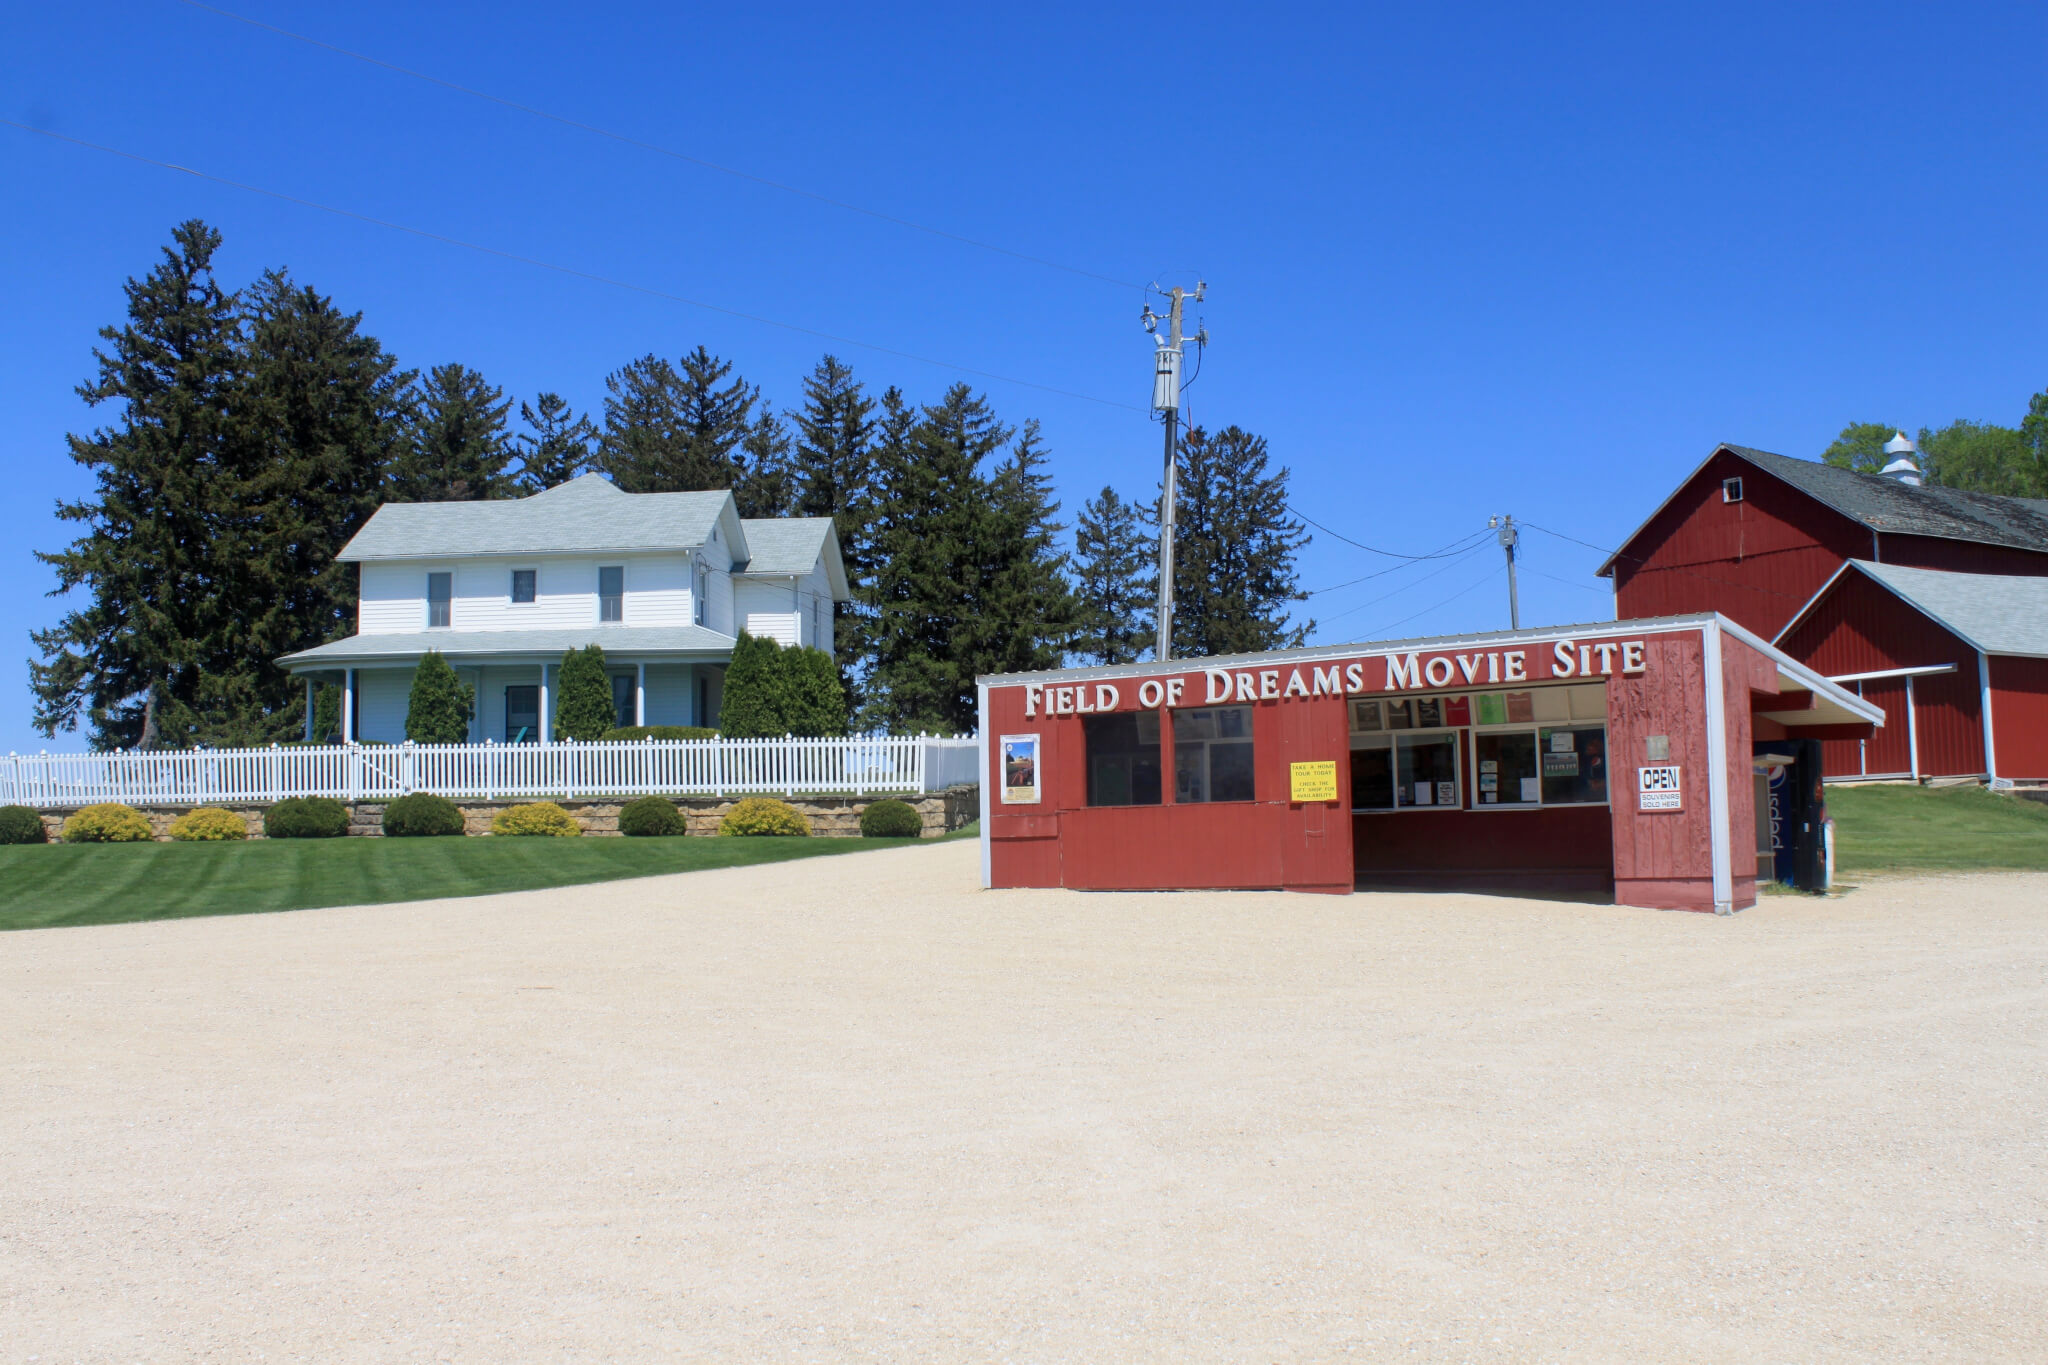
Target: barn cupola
1904	462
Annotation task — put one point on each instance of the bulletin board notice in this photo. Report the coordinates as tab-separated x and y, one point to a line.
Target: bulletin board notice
1312	781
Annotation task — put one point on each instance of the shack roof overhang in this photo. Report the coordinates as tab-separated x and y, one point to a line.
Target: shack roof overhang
667	644
1832	704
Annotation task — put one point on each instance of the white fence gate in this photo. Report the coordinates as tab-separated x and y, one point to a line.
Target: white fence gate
359	772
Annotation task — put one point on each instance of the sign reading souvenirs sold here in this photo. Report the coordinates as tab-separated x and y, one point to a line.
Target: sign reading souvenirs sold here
1419	670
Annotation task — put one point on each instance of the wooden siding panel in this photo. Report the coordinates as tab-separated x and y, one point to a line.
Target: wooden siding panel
2019	717
1961	556
1756	561
1662	856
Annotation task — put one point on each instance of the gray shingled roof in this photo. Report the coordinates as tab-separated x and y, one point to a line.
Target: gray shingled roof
585	514
785	545
1997	613
1886	505
457	645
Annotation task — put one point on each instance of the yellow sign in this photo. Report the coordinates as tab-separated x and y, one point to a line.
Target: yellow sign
1312	781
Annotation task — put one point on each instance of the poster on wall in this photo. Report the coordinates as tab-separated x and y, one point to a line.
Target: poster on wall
1020	770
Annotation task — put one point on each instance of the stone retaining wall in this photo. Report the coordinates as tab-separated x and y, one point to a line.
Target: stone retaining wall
828	816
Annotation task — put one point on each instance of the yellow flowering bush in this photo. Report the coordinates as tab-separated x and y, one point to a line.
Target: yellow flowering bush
110	822
208	824
542	819
759	815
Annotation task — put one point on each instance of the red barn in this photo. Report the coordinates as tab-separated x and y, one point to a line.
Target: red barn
1909	594
1754	536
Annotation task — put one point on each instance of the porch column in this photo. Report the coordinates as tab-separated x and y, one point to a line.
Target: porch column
348	705
311	687
546	730
640	694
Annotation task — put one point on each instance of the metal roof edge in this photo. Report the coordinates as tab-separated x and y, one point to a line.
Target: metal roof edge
1819	593
1817	681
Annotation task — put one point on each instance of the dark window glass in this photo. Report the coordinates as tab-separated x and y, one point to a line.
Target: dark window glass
1507	768
522	714
611	594
1212	754
1574	765
1372	774
1426	767
622	699
1123	758
440	598
522	585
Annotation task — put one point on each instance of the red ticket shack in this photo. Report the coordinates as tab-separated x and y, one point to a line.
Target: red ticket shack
1621	758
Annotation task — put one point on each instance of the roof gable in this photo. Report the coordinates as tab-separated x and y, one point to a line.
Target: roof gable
1883	505
794	546
585	515
1994	613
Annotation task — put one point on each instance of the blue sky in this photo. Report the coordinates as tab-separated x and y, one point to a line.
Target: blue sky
1462	260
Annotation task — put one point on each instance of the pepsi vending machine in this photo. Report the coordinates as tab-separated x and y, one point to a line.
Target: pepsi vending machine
1795	811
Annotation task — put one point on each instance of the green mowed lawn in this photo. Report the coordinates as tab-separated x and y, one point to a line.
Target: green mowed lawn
1886	828
44	886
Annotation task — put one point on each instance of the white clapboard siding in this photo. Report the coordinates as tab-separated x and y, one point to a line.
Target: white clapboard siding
857	766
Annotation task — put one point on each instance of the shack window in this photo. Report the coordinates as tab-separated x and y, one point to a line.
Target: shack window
1372	771
1123	758
1212	754
1426	769
1508	772
1574	765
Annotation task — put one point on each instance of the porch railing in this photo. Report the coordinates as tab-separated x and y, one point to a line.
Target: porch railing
858	766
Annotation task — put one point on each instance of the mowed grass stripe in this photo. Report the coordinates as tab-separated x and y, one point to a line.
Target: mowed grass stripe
1898	827
46	887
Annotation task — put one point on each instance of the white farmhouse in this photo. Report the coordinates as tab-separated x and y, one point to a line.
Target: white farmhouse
663	581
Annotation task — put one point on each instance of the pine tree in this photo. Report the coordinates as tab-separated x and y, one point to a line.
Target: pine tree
881	519
768	485
459	447
1234	548
1116	581
1029	600
129	659
439	708
835	430
584	709
320	418
675	431
755	704
555	447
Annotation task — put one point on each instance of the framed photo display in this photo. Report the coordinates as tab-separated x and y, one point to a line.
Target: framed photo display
1020	770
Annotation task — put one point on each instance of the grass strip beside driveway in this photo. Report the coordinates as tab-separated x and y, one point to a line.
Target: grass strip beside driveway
1895	827
48	886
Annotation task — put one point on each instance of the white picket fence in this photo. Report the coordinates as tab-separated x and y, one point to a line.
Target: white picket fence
357	772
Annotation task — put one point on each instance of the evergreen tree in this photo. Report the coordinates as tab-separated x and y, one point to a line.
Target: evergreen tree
1234	548
128	660
584	707
320	418
555	447
1029	601
459	447
767	487
440	705
1116	581
816	703
756	701
881	519
676	431
834	459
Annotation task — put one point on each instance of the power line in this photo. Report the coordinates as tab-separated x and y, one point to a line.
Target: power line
658	149
1396	568
1390	554
1666	568
571	271
1410	587
1474	586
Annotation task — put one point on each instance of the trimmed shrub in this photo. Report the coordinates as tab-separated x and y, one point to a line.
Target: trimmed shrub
816	702
110	822
536	819
756	699
422	816
763	815
651	818
891	820
306	817
20	825
439	707
583	707
638	732
209	825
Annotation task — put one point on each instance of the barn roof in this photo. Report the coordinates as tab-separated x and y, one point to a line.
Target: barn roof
588	514
1994	613
1886	505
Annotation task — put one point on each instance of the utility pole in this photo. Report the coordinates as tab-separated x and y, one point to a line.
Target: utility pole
1166	400
1509	536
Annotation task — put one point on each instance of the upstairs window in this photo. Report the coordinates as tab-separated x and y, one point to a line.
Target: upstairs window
1731	490
700	588
522	585
611	593
440	600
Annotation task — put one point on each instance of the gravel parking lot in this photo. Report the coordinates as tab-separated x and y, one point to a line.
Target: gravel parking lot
856	1109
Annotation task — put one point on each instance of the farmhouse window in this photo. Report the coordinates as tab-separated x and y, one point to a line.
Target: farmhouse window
440	600
622	699
1123	758
522	585
522	714
611	593
1212	754
699	591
